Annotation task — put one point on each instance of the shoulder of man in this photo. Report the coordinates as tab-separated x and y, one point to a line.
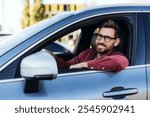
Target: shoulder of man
114	52
119	58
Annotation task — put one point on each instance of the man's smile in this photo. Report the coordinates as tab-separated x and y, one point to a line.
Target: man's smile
101	46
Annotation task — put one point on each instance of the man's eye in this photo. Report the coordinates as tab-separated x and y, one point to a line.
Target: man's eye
100	36
107	38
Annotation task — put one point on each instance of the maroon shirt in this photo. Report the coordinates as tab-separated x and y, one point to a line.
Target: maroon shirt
114	61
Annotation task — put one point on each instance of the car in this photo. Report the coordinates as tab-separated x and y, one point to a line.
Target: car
28	73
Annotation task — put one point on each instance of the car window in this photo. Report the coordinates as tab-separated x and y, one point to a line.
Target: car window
65	43
69	41
125	45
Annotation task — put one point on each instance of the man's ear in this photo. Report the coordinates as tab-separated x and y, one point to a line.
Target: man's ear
117	41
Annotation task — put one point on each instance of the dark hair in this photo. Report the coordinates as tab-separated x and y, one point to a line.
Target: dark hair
111	24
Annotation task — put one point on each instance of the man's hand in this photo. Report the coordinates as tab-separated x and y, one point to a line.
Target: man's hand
45	50
79	65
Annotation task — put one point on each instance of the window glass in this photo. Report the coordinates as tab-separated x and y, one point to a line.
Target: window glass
65	43
69	41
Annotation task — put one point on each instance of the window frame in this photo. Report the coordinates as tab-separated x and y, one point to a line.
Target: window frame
75	27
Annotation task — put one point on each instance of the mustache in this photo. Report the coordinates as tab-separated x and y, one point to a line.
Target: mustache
101	44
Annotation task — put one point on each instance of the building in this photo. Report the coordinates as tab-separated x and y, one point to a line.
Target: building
10	13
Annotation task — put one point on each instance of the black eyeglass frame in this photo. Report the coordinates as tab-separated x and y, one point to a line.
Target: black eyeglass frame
106	38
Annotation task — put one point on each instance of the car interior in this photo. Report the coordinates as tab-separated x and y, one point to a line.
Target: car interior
87	39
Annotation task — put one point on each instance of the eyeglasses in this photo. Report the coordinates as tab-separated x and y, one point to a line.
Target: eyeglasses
106	38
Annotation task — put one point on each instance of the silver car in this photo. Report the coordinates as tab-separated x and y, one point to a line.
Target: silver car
26	72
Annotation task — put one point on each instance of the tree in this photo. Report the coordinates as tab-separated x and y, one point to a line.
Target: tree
37	12
25	20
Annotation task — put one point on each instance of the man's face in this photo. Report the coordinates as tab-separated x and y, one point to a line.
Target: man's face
105	45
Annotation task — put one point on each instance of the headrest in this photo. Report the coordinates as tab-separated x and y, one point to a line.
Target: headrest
93	41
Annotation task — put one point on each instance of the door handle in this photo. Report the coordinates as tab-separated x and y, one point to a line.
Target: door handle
119	92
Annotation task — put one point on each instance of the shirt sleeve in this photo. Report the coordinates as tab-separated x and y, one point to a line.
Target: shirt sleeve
113	63
82	57
61	63
75	60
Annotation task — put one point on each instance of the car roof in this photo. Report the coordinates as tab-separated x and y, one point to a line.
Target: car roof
123	6
120	5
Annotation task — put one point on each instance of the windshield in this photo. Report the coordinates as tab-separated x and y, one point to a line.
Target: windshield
10	42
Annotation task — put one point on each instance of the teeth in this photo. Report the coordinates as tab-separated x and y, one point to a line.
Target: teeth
101	46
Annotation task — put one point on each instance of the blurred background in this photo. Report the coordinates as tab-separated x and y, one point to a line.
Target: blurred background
16	15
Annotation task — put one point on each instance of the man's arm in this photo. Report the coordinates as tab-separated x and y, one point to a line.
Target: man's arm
79	65
112	63
73	63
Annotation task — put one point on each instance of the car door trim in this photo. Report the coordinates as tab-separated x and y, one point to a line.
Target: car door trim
74	73
12	80
96	71
147	65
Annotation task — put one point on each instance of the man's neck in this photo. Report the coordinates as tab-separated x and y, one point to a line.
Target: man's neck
98	55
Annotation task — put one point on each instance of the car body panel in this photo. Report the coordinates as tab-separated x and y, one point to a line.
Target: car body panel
80	86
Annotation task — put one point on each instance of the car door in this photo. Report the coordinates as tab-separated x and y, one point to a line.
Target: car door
147	35
90	84
127	84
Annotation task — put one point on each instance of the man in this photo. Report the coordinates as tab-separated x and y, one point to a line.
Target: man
104	56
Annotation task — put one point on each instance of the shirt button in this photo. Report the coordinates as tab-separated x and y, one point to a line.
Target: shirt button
91	67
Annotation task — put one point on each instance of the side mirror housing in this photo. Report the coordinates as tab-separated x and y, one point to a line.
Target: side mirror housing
36	67
39	65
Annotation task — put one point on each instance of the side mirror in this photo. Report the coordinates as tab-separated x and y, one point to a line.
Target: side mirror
36	67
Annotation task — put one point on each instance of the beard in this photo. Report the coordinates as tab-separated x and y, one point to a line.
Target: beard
102	52
101	48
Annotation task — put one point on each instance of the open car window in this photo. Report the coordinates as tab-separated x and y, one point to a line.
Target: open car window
124	46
